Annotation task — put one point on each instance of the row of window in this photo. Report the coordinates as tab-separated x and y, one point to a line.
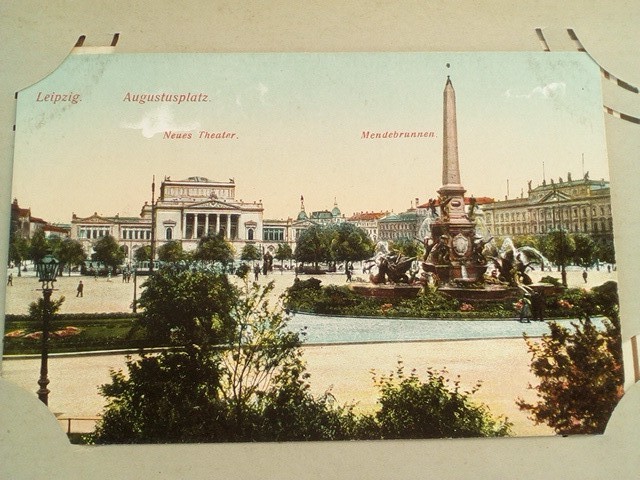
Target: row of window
603	226
397	226
136	234
198	192
548	213
92	233
271	234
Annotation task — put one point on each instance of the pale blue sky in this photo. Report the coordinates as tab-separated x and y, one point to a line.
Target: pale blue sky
298	119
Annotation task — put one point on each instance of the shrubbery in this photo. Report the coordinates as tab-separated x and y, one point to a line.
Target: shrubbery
580	369
309	296
251	384
434	408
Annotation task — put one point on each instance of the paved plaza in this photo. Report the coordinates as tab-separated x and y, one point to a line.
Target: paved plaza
501	364
112	295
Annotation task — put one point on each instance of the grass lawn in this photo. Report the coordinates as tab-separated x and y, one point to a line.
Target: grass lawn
74	333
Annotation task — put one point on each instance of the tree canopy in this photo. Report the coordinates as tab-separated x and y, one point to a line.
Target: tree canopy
171	252
580	368
214	248
250	253
18	250
312	245
283	252
558	246
142	254
349	243
585	250
108	251
70	253
184	305
343	242
38	246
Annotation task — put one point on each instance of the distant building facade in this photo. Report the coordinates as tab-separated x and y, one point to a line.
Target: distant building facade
185	211
25	224
368	221
577	206
399	226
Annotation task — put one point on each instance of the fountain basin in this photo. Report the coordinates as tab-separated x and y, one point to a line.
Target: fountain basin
487	293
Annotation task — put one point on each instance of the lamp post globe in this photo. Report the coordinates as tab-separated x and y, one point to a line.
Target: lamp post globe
47	270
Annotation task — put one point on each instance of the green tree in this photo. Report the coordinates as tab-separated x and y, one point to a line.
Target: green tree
349	243
39	246
171	252
526	241
283	252
605	250
580	369
433	408
407	247
250	253
185	305
262	354
70	253
173	396
585	250
18	250
559	247
142	254
108	252
313	246
214	248
250	385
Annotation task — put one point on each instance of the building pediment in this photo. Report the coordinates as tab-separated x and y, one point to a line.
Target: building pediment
213	205
95	218
554	197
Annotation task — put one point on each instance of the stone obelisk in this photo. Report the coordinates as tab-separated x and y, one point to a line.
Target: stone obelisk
453	232
452	191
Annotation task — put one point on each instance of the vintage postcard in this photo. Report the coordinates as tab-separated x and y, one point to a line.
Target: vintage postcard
288	247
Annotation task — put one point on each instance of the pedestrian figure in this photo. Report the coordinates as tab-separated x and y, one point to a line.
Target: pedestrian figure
585	275
10	280
608	268
537	306
347	270
525	311
256	272
80	289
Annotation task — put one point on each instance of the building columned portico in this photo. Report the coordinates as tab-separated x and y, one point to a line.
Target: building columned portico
190	209
185	211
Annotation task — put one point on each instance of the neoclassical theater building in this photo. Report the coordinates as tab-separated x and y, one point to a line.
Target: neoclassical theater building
185	210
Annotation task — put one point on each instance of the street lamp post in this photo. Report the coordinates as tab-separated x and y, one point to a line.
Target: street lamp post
135	289
47	270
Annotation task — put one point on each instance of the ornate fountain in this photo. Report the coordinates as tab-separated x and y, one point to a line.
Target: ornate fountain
457	257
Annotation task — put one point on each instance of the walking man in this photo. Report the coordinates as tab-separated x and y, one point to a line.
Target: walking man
10	280
80	289
525	311
585	275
